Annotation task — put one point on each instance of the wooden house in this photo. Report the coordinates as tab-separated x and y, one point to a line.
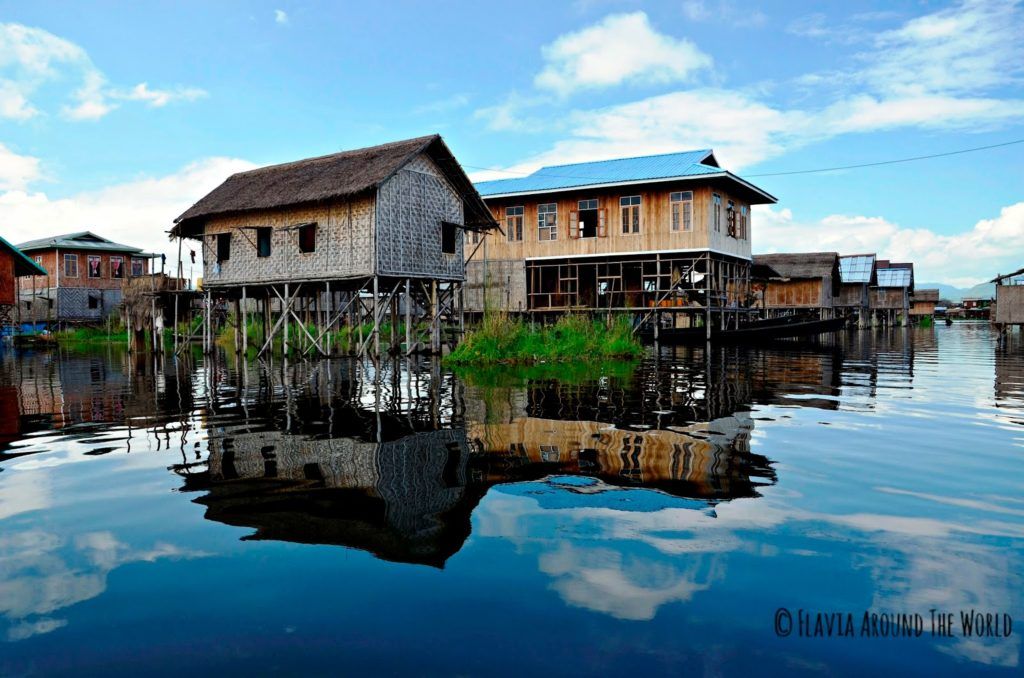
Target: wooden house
890	296
803	282
341	237
923	302
1009	306
856	278
83	279
664	234
14	264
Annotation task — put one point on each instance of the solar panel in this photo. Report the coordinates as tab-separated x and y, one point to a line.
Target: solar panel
893	277
856	269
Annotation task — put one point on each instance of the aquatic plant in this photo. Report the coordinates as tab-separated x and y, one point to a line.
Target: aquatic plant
502	339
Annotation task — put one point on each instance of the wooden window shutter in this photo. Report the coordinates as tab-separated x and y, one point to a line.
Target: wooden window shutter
574	224
602	222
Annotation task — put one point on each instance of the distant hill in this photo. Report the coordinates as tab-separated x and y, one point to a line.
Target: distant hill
957	293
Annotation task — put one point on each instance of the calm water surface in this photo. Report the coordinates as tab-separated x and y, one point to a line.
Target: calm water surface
325	518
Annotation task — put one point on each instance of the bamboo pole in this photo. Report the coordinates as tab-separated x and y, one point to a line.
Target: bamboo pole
408	317
245	322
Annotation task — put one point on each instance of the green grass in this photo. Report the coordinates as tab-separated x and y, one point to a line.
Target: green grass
342	340
574	338
92	335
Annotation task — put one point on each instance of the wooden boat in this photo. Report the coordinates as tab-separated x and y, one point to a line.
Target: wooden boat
788	327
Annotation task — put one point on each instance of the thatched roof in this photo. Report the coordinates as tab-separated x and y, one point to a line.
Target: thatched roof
801	265
926	295
327	178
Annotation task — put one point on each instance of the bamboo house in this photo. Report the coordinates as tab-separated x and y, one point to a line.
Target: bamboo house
341	239
804	282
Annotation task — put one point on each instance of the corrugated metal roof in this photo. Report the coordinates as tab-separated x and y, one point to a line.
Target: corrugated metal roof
22	264
620	170
82	240
894	277
856	268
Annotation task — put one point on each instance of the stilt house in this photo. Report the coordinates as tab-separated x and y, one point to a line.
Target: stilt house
805	282
922	303
1009	299
890	297
856	278
14	264
665	235
340	238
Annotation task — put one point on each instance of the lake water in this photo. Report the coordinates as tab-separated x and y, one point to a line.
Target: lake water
324	518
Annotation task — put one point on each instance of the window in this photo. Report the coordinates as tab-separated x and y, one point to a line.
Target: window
116	267
263	241
223	247
514	224
588	221
138	267
71	265
547	221
94	266
743	223
448	237
716	212
681	203
730	218
630	207
94	302
307	238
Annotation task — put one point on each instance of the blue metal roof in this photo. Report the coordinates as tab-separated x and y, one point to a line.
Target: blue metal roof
894	277
621	170
856	268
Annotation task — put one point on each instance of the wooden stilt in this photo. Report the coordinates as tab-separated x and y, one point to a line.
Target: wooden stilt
408	317
376	318
245	322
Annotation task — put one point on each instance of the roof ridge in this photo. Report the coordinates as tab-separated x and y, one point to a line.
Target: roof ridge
425	139
631	157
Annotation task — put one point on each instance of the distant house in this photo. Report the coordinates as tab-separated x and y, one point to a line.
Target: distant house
83	278
806	281
13	265
857	276
923	302
890	296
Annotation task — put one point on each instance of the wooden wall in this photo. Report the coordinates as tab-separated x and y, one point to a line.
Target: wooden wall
813	293
52	259
6	277
655	234
889	298
1010	304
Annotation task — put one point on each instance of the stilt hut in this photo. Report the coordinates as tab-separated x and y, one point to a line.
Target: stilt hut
922	303
341	239
1009	306
857	276
13	265
890	297
806	282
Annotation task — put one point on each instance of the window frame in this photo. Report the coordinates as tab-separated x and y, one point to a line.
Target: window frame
68	257
543	221
142	266
681	222
731	219
223	247
88	266
716	212
744	221
113	274
449	237
266	232
307	228
519	217
631	204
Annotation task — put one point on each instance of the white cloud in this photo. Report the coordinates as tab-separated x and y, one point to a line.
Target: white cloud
445	105
280	16
34	63
962	259
137	212
622	48
17	171
723	11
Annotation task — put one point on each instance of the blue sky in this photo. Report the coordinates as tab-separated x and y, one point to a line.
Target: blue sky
116	117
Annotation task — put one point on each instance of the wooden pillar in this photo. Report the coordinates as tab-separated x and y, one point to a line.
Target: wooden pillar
393	345
328	320
435	320
245	322
238	326
376	317
408	317
285	307
175	330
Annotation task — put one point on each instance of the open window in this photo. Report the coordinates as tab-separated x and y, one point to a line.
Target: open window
263	234
307	238
94	302
743	223
138	266
585	220
716	212
448	237
681	203
94	266
223	247
730	219
117	267
71	265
